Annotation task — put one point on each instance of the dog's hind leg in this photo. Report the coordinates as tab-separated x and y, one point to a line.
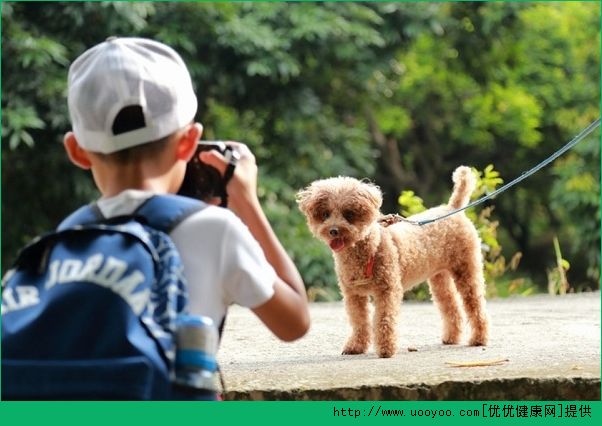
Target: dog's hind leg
447	300
387	305
471	286
357	311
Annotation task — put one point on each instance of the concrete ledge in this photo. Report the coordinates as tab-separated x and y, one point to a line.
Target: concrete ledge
552	344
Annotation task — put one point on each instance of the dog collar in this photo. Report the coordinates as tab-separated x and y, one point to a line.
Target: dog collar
369	268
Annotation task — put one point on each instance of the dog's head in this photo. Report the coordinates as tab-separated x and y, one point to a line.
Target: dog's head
340	210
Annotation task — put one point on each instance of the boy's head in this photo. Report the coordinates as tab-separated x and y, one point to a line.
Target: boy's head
126	92
130	99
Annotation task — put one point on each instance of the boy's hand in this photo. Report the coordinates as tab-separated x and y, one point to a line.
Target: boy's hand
286	313
242	187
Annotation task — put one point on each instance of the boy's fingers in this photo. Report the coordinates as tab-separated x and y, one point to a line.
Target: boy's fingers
214	201
214	159
243	151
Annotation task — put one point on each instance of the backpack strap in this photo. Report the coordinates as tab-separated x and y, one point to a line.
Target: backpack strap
163	212
89	213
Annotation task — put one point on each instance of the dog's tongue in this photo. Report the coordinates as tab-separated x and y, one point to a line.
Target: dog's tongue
337	244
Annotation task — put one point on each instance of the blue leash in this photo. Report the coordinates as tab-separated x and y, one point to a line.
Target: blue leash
523	176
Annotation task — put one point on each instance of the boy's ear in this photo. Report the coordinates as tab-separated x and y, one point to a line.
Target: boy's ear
187	141
77	155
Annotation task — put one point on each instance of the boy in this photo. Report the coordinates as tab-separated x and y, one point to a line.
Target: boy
132	107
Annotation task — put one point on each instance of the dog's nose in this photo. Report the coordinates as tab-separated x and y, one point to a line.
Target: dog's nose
334	232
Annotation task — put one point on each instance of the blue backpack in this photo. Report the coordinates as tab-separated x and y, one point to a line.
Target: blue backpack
89	310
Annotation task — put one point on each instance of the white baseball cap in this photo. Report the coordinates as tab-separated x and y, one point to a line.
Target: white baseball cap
143	78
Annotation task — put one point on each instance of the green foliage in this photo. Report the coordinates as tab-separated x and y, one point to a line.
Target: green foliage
410	203
400	93
22	119
512	287
575	194
504	83
557	280
487	182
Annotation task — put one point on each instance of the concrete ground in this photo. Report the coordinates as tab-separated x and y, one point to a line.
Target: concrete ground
551	345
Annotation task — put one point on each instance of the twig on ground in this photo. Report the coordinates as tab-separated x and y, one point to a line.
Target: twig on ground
484	363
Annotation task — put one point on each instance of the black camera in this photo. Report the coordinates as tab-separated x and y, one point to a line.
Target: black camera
205	182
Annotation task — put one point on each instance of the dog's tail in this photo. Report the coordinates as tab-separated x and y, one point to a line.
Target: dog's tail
464	185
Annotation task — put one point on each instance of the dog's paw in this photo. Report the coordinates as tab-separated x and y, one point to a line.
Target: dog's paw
355	348
478	341
451	338
386	352
347	351
386	348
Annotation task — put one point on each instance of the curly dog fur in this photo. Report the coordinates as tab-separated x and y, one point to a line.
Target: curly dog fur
379	259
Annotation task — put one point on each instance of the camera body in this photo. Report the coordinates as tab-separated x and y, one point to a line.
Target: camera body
201	180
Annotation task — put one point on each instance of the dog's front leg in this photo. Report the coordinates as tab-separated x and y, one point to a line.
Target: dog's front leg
357	311
387	304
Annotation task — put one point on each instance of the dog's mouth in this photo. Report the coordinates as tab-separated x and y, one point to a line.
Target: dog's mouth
337	244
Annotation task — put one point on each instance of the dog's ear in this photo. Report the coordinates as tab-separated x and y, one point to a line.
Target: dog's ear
304	198
372	193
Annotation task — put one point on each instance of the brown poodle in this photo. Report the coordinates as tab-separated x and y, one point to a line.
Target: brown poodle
379	257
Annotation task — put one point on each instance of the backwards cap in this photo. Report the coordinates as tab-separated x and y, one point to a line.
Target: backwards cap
143	81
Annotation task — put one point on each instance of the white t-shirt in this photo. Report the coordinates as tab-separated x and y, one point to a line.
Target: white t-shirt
223	263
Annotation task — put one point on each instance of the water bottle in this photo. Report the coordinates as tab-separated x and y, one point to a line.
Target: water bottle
196	366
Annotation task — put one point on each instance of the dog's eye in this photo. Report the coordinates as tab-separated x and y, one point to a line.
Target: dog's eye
348	215
325	215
